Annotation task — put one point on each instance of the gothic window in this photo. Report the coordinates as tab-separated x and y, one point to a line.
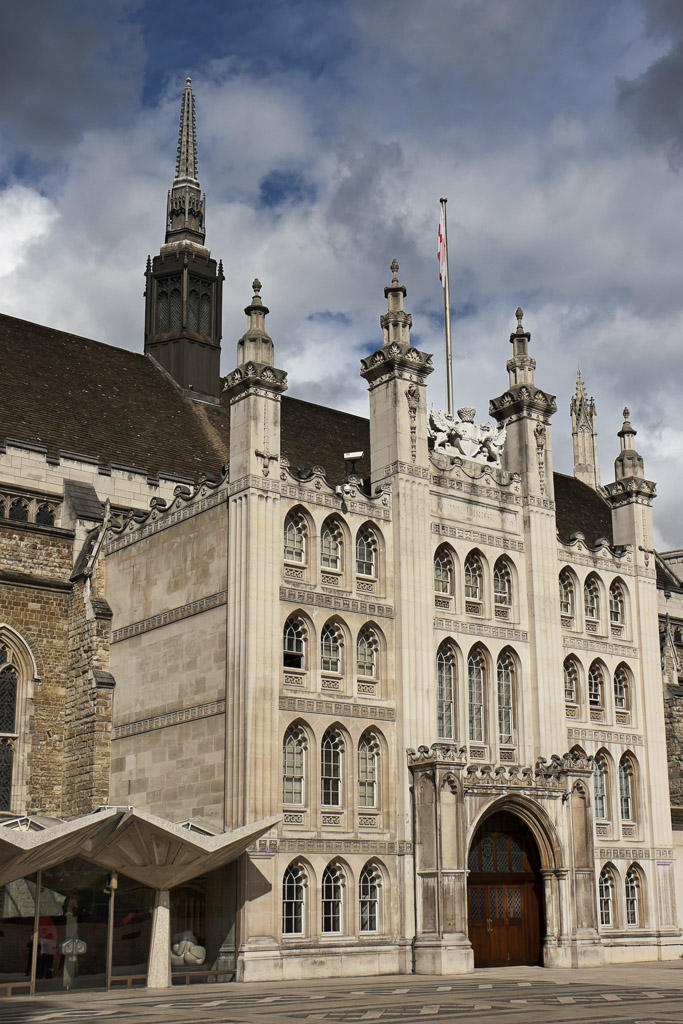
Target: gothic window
473	577
205	313
368	761
45	516
294	643
368	896
600	773
595	686
193	310
367	649
175	310
566	593
616	604
366	552
331	643
443	572
606	896
626	789
294	882
2	509
591	598
18	511
445	686
293	759
8	725
163	316
296	533
331	546
476	675
622	691
505	672
502	584
571	681
331	752
633	899
332	899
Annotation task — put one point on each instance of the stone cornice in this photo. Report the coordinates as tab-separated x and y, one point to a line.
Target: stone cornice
580	643
521	398
622	492
605	735
27	579
479	629
336	709
396	360
258	376
180	717
476	537
620	559
184	611
336	602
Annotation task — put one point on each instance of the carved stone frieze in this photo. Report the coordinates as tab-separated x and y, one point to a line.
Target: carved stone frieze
481	629
478	537
336	601
335	709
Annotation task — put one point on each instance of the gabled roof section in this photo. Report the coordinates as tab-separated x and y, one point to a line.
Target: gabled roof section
312	435
581	509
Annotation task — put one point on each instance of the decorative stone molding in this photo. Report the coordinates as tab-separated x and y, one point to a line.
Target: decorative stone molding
520	399
160	519
184	611
313	706
620	558
603	736
623	650
495	494
630	488
481	629
364	846
635	853
192	714
293	818
338	603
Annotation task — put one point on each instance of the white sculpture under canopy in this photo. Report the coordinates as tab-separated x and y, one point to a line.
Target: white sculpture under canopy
462	438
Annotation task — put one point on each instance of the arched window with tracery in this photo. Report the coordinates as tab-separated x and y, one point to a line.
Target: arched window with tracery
616	604
368	770
505	676
333	899
331	545
626	787
9	684
367	653
45	516
622	688
369	888
331	646
474	577
571	681
295	538
18	511
596	686
331	754
591	599
294	885
600	786
606	896
366	552
476	683
567	594
502	587
445	689
293	765
632	887
444	572
294	638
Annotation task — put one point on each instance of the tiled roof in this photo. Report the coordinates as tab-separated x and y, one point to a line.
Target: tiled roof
580	509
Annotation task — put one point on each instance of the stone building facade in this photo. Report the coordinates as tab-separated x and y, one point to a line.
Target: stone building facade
433	661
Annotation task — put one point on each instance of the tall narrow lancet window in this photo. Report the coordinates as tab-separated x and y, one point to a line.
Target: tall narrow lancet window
600	771
8	724
368	898
476	679
505	671
295	536
366	552
567	594
331	643
332	897
294	883
622	689
163	313
626	789
474	577
596	685
591	599
606	896
368	762
294	643
443	572
633	898
571	681
445	687
293	764
616	603
331	753
367	650
331	546
502	586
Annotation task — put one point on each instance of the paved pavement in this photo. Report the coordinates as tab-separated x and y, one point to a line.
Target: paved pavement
629	994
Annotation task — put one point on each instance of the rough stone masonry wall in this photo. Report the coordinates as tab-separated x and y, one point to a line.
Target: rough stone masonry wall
35	596
89	705
673	719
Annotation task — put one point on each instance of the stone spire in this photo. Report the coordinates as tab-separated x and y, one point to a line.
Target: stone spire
628	462
584	435
255	345
631	495
186	202
395	323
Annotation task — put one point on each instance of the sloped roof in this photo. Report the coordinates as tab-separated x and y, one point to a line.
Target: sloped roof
580	509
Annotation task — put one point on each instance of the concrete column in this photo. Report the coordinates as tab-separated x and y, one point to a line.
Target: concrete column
159	966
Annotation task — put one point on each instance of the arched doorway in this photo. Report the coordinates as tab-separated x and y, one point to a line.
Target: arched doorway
504	893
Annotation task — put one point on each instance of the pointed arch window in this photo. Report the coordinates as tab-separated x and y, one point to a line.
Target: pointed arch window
606	896
294	643
205	313
193	310
567	594
633	896
9	682
295	537
444	572
502	584
622	689
368	764
571	681
591	598
600	771
596	683
445	687
367	652
616	603
331	644
626	789
45	516
366	552
293	765
474	577
505	672
175	310
331	753
476	679
331	546
163	313
332	899
294	884
18	511
369	887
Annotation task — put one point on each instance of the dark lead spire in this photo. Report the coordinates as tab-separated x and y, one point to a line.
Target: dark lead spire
185	208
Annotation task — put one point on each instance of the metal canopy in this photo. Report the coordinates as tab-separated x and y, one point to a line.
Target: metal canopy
142	846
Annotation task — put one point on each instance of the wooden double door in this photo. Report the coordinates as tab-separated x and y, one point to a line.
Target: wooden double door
504	896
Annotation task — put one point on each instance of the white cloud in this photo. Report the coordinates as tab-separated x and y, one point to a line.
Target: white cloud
27	218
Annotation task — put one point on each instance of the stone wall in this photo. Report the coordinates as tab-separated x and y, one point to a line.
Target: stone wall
673	717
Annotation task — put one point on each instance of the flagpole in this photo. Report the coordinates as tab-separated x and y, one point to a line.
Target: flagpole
447	315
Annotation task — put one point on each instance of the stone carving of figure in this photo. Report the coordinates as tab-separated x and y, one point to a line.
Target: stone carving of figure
186	952
479	442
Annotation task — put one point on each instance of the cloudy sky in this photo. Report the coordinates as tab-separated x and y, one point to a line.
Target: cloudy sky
328	129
